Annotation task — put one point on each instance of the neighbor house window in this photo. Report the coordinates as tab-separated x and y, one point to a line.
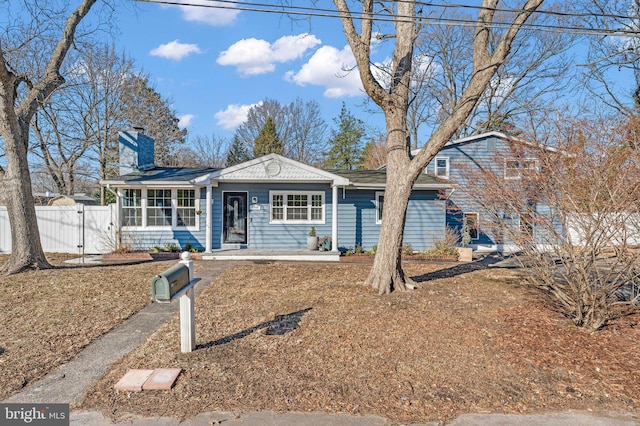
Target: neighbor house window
513	168
442	167
174	208
472	221
379	206
186	207
297	207
132	207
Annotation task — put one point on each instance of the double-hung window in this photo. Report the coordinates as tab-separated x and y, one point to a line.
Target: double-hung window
132	207
186	207
513	168
159	207
442	167
159	211
297	207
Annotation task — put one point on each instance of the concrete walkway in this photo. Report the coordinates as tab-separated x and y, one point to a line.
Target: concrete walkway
69	382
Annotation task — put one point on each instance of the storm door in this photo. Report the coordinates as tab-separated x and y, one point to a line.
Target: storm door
234	218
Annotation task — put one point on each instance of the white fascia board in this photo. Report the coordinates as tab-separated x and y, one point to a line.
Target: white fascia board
330	177
153	183
434	186
498	135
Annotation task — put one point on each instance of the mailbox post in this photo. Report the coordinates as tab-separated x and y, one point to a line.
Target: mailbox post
178	281
187	311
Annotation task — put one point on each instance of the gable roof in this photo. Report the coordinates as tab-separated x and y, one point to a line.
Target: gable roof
377	179
269	168
499	135
273	168
160	176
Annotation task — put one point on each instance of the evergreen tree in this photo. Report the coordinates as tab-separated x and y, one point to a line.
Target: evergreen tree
267	141
345	142
237	153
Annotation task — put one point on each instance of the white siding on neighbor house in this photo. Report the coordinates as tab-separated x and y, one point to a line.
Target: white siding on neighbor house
68	229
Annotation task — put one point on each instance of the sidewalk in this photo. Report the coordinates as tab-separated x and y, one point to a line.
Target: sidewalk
69	382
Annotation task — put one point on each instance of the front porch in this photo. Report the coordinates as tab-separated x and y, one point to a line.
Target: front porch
300	255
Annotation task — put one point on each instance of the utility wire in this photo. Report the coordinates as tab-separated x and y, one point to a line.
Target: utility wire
333	13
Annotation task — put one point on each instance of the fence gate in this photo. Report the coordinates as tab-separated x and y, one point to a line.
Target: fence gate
68	229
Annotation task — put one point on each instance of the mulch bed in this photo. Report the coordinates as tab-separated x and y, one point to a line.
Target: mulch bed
312	337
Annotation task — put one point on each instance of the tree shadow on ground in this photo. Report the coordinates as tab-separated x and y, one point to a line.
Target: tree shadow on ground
462	269
281	324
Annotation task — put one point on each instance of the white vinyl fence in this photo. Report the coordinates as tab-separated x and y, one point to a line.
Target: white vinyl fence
68	229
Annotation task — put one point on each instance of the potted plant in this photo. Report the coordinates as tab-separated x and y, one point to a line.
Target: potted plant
312	239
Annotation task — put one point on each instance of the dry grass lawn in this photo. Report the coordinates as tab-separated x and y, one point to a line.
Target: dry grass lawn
312	337
48	316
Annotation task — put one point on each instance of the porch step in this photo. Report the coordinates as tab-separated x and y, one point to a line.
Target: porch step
284	255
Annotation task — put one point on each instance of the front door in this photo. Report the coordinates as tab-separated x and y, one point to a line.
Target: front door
234	218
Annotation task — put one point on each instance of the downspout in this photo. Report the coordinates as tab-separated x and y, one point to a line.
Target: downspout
334	218
208	226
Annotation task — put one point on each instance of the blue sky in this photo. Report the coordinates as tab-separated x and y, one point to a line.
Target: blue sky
214	64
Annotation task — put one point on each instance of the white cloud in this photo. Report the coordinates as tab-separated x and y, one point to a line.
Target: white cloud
233	116
330	67
288	48
254	57
206	12
185	120
175	50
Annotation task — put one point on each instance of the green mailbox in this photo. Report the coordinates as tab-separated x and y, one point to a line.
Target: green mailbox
165	285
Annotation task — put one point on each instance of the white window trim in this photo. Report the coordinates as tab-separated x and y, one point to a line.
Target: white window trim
284	220
520	168
123	207
377	203
174	212
477	223
435	167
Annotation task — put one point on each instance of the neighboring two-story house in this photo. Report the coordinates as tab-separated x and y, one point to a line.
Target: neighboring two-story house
459	161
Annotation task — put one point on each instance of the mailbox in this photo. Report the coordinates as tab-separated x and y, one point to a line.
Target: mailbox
165	285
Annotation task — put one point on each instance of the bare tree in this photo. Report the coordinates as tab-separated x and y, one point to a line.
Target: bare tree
299	126
573	213
402	170
204	151
103	95
23	87
531	78
60	141
101	77
613	56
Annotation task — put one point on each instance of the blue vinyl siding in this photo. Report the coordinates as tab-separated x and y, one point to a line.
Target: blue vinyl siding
265	235
479	153
357	220
483	153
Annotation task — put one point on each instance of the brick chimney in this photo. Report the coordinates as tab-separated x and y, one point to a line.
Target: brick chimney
136	151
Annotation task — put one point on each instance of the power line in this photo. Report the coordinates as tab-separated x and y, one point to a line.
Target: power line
332	13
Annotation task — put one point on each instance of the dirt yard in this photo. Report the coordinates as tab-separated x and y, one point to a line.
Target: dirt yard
312	337
48	316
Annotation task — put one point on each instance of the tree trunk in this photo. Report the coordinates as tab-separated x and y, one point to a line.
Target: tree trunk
386	274
26	252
